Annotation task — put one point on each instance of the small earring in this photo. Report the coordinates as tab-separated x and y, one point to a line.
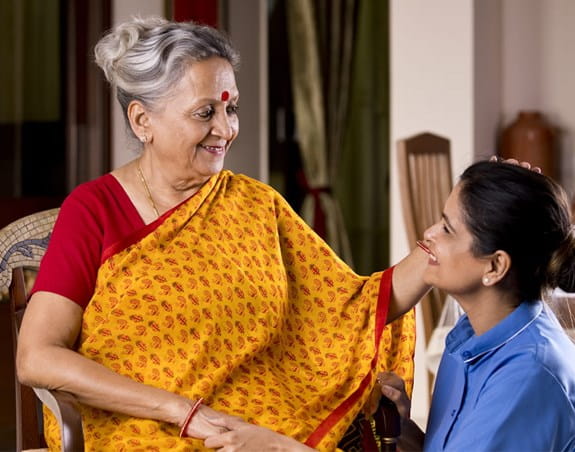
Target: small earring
143	138
486	280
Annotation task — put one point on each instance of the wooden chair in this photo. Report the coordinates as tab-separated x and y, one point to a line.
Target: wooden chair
425	181
22	245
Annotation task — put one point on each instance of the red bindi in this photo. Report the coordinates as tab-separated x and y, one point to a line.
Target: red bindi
225	95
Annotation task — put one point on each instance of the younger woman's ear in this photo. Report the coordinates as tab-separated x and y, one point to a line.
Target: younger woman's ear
498	266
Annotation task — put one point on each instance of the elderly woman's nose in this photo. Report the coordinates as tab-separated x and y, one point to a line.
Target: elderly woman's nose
223	126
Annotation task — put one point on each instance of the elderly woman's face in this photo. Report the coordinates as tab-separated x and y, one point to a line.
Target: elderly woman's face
198	121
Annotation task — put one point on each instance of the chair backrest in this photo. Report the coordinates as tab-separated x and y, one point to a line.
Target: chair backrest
28	426
425	181
22	246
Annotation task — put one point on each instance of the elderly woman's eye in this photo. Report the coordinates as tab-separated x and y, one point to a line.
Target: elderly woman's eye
206	113
233	109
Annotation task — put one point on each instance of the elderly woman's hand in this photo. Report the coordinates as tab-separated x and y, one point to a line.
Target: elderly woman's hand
527	165
243	436
207	422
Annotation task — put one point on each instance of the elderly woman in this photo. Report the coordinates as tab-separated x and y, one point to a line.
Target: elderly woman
182	297
506	381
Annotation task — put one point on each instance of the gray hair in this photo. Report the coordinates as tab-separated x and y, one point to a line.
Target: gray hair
146	57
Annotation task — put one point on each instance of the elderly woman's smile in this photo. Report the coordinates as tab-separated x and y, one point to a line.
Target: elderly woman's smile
214	149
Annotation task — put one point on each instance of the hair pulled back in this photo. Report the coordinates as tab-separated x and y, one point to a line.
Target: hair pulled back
145	58
510	208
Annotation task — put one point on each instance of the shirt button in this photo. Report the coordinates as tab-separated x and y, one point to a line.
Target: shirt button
466	355
453	412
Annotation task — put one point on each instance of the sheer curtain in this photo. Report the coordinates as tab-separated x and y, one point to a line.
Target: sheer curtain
320	46
339	68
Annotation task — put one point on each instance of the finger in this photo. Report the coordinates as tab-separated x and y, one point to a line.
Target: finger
233	422
536	169
396	396
391	379
227	422
525	165
391	393
493	158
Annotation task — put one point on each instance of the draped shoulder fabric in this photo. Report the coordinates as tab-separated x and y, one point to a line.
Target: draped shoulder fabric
233	298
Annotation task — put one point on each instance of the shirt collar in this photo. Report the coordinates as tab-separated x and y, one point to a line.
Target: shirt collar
461	341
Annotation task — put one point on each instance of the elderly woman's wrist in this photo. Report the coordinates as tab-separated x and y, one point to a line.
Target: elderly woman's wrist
177	411
189	415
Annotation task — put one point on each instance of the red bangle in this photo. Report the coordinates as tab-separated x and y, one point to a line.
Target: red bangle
190	416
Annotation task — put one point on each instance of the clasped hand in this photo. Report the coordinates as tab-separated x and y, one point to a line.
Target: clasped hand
228	433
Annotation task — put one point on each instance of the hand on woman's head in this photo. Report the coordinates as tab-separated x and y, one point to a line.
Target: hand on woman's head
527	165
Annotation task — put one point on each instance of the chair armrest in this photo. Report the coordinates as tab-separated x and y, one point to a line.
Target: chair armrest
65	407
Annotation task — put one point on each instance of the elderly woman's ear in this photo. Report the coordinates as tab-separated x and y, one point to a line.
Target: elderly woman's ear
139	120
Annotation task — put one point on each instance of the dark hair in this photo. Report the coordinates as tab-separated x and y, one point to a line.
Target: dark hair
526	214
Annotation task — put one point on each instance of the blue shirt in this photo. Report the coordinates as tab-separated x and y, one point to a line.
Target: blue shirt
509	389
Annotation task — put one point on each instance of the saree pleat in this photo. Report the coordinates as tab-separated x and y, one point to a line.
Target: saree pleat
233	298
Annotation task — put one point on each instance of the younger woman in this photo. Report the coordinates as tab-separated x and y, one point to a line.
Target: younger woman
507	377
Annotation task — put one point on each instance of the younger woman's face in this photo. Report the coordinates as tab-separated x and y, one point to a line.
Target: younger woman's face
452	267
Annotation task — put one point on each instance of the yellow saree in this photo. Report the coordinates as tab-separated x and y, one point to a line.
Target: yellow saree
232	297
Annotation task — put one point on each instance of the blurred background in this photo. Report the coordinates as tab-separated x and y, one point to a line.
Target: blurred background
327	89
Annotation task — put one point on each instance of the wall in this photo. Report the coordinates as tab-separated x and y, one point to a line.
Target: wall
487	77
539	69
247	26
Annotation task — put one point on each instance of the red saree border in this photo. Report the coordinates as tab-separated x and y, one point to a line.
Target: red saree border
138	235
381	317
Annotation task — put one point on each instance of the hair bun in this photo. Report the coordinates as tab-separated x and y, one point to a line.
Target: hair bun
116	43
561	270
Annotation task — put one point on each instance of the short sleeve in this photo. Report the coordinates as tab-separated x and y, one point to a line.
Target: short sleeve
94	216
71	262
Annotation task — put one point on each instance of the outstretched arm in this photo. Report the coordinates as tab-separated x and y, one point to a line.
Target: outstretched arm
408	286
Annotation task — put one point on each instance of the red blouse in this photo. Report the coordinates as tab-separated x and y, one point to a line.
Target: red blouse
93	217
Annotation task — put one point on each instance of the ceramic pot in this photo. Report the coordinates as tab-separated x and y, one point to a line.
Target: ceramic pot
531	138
